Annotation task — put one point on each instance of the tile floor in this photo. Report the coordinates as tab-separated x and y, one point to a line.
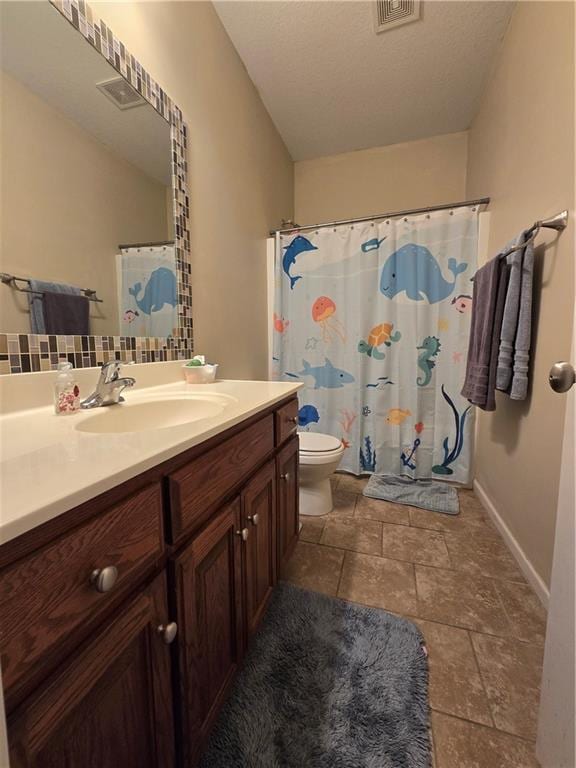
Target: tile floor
455	578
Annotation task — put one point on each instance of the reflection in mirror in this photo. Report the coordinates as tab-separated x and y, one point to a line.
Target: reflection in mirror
86	204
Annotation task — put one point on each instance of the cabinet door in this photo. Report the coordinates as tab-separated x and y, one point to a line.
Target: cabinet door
259	525
288	518
208	576
110	704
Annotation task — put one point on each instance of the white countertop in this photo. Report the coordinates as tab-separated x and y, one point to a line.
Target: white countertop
48	466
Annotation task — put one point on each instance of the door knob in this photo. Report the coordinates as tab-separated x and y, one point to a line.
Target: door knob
562	376
103	579
167	631
254	518
244	533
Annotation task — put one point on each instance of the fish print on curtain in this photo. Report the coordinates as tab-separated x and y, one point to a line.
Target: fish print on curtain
373	319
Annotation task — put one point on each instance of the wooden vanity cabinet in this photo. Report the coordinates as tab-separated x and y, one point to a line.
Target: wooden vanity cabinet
224	579
191	551
288	523
259	530
110	705
48	598
210	616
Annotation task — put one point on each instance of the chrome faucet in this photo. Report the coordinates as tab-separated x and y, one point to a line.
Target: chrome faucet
109	387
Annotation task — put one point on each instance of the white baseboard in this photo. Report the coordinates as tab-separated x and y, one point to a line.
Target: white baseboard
533	578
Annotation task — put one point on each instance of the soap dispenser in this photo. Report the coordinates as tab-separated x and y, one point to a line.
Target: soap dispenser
66	390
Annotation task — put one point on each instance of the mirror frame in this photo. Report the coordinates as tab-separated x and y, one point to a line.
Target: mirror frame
23	353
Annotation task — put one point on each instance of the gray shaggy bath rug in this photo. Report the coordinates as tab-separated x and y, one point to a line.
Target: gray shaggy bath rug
326	684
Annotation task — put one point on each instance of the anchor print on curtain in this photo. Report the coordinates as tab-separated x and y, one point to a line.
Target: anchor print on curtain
373	319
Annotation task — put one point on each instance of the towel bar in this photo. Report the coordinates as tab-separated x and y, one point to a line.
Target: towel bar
12	282
557	222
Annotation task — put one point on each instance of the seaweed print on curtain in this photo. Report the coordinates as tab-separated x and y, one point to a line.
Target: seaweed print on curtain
374	318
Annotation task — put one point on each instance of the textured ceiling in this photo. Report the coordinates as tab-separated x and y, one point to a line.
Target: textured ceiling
332	85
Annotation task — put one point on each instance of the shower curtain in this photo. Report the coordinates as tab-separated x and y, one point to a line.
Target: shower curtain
373	318
147	292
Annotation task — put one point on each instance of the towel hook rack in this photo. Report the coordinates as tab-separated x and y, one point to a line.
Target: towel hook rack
12	281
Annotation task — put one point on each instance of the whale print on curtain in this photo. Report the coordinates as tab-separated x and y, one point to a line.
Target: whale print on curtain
147	291
373	318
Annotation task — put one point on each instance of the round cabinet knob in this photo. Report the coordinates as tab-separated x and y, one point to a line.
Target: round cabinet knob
244	533
285	476
103	579
168	632
562	377
254	519
293	419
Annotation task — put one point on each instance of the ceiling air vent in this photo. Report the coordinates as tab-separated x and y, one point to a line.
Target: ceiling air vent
121	93
393	13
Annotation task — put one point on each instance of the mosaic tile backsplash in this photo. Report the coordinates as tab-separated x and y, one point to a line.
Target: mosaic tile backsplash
22	353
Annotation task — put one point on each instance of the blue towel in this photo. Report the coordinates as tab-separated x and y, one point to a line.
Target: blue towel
36	301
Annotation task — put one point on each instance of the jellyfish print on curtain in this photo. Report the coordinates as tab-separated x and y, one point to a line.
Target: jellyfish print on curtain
373	319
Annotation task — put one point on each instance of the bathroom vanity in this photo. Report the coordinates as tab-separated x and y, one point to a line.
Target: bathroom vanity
125	618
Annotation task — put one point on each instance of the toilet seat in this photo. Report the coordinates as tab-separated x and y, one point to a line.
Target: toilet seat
316	448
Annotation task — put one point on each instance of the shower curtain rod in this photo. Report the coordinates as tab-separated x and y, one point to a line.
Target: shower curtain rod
394	214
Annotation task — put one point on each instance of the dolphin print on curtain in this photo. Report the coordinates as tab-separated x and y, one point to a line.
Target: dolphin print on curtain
374	319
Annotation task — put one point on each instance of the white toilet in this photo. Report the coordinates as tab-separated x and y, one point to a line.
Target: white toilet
320	456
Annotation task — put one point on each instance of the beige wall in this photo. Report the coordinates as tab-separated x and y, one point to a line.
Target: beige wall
241	179
66	203
521	153
410	175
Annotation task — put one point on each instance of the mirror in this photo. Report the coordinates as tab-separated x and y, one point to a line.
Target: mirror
87	241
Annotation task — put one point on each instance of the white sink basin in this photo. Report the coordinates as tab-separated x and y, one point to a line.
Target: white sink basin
145	415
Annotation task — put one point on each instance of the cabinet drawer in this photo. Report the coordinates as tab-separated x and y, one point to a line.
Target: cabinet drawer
48	600
198	486
286	421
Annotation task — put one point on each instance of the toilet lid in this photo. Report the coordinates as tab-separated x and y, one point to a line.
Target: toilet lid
313	442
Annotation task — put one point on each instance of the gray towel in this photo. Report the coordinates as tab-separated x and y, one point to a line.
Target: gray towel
66	314
490	283
519	388
36	301
490	404
510	319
